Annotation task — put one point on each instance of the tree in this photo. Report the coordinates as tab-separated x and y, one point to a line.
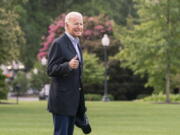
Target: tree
123	84
3	88
118	10
11	36
151	45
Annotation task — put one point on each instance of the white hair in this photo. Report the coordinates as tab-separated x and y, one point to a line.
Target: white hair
72	14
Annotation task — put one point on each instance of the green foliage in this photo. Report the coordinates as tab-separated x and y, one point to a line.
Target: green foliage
21	82
152	45
93	97
162	98
93	73
176	81
96	97
118	10
39	79
123	84
11	35
3	88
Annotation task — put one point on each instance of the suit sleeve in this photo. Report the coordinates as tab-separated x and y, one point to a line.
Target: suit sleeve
56	64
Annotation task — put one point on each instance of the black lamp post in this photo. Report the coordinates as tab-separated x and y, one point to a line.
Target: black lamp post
17	66
105	42
17	89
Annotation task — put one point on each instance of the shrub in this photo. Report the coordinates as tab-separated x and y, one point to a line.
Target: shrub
93	73
93	97
3	88
20	82
96	97
162	98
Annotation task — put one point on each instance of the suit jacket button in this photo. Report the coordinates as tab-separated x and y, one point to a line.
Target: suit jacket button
79	89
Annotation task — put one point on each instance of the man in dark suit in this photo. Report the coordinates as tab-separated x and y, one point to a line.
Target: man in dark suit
65	64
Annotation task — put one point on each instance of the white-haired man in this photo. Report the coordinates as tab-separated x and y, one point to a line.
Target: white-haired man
65	63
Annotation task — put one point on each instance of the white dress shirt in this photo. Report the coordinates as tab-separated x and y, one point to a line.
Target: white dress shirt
75	42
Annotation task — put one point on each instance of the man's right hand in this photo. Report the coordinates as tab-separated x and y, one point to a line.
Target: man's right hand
74	63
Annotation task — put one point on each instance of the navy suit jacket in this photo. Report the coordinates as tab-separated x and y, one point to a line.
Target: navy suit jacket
66	96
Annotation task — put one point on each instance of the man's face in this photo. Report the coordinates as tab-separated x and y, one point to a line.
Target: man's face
75	26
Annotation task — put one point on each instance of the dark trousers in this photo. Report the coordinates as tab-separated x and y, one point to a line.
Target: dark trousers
63	125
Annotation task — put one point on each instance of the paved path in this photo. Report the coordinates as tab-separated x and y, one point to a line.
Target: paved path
25	98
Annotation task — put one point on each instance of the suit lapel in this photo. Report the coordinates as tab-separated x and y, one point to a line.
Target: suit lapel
80	50
71	47
69	44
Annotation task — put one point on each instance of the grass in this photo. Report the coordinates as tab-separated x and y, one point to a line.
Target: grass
112	118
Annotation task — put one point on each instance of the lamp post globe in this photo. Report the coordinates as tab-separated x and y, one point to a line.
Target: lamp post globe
44	61
105	40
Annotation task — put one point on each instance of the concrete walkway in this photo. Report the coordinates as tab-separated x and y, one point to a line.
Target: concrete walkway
25	98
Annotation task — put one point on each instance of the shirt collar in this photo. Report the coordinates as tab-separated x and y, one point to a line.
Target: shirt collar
73	39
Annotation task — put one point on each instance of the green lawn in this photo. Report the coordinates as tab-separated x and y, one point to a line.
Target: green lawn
112	118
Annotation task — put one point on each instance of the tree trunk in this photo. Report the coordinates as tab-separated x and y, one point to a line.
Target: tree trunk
167	74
